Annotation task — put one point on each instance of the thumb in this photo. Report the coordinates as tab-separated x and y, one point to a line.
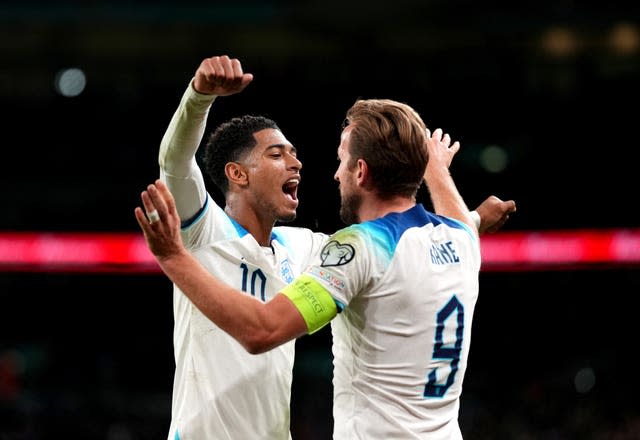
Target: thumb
246	79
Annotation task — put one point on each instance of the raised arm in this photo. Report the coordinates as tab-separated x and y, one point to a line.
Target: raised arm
445	197
490	215
216	76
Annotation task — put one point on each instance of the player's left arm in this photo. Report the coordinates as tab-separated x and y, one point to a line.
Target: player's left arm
445	197
489	216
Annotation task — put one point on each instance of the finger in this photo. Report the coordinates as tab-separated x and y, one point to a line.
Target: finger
227	66
437	134
496	227
142	220
166	195
216	69
239	79
208	67
158	201
455	147
236	68
446	139
428	133
147	202
246	79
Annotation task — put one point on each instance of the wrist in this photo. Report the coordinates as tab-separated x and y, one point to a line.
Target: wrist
476	218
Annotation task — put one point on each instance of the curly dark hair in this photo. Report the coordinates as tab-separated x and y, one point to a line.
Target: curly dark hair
231	142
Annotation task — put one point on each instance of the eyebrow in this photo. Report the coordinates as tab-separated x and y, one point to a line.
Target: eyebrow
281	147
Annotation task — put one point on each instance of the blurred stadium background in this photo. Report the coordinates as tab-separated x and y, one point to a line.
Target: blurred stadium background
543	97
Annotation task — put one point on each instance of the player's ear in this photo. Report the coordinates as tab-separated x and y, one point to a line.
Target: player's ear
362	173
236	173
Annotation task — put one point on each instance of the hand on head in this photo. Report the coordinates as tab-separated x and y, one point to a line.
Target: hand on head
161	224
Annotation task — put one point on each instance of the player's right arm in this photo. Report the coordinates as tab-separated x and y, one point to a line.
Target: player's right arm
216	76
258	326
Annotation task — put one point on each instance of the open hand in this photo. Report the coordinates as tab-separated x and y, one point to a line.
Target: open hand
160	221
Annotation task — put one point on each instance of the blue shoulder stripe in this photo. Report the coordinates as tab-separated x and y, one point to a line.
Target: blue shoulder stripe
387	230
242	232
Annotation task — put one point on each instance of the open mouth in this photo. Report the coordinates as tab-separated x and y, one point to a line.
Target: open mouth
290	188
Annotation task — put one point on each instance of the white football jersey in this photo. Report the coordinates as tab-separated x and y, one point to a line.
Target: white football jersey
221	391
407	284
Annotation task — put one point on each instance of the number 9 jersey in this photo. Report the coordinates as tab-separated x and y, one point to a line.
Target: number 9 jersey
406	285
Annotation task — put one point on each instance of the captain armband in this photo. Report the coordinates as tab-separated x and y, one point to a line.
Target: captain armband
314	303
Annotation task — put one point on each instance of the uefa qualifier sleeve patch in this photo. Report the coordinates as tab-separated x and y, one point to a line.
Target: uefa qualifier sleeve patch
335	253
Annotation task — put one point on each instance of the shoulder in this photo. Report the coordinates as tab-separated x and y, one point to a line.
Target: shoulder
294	232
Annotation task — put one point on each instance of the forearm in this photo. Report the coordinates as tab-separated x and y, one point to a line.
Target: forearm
445	197
184	133
246	319
178	166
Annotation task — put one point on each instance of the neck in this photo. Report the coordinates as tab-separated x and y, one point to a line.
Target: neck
259	228
374	207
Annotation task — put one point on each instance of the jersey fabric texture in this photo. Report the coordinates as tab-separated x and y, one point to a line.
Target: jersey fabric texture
407	284
220	390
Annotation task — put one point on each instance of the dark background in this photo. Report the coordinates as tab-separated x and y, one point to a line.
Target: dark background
553	84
